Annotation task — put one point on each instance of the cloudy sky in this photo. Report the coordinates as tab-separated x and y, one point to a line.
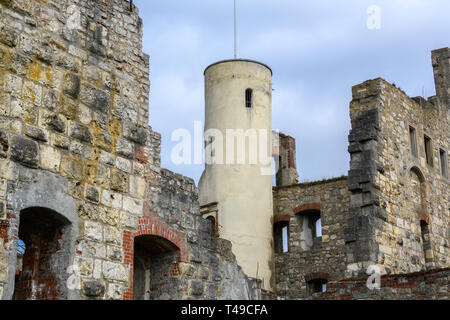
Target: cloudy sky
317	50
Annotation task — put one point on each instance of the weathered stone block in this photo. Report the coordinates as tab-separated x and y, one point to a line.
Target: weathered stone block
92	194
196	288
25	152
4	146
50	158
80	132
5	105
134	133
115	291
93	289
125	109
19	64
68	62
60	141
109	216
71	85
115	253
2	210
115	271
124	148
36	133
32	92
8	36
119	181
133	206
95	99
93	231
3	265
72	167
186	269
113	236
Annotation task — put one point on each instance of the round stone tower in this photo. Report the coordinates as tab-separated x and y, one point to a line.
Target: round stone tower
236	185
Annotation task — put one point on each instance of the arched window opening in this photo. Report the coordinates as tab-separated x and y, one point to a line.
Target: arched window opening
281	236
212	225
249	98
155	269
43	255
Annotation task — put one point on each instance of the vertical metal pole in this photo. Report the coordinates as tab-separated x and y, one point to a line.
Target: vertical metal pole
235	51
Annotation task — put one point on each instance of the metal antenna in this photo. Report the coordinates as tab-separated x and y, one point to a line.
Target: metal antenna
235	51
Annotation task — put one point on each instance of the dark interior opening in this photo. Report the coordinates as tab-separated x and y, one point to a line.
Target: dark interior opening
155	275
317	286
43	255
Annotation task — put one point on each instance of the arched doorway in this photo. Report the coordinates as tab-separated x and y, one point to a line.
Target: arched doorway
155	270
44	236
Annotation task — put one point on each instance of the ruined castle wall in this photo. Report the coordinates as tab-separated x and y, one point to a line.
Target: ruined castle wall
324	258
399	209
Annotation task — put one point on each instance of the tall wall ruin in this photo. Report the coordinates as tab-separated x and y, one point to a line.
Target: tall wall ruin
77	152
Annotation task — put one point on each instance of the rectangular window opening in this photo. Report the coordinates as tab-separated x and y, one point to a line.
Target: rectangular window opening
444	163
412	139
428	150
249	98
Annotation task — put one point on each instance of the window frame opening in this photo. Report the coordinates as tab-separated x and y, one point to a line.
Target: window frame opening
317	286
443	158
311	236
428	150
281	237
43	255
413	141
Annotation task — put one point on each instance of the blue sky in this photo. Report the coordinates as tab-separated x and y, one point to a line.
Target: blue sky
317	50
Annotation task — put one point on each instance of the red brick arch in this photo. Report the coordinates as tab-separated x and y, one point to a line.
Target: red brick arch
150	224
307	207
281	218
316	276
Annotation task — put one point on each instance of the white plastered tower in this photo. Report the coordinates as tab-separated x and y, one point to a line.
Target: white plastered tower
238	96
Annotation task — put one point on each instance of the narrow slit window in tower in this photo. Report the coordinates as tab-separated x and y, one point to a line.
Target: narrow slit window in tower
249	98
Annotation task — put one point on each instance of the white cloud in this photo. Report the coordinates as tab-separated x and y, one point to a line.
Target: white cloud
317	49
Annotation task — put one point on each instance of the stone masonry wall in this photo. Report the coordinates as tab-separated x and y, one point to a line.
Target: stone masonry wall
74	93
73	107
399	207
326	258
